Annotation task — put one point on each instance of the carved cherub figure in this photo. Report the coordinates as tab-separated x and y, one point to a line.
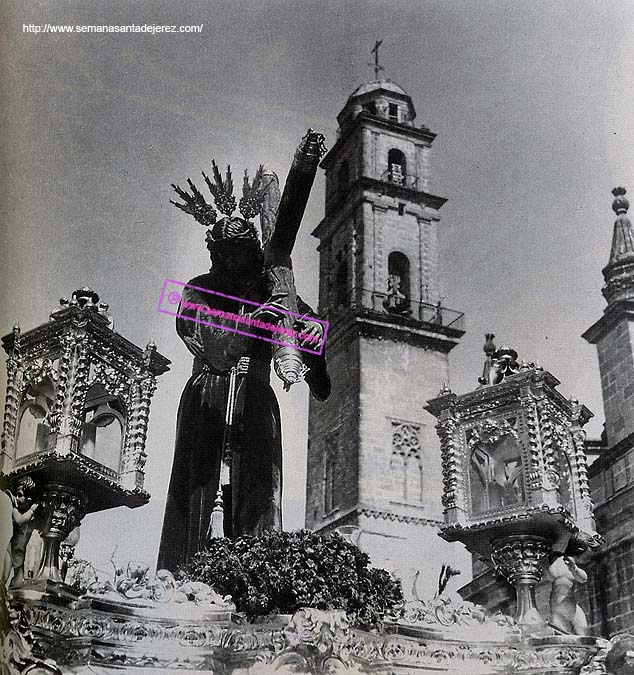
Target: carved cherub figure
6	528
565	613
24	508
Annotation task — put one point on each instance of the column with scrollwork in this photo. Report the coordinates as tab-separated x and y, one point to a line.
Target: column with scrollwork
61	511
453	475
74	367
140	394
580	416
12	404
522	559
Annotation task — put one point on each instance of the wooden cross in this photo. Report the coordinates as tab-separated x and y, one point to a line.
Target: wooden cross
375	51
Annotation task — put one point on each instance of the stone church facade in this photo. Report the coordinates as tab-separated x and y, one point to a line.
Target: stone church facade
610	592
373	455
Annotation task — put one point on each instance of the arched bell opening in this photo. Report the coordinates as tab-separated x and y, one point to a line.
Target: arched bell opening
398	284
396	166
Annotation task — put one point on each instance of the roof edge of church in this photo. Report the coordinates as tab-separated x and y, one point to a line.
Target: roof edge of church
386	84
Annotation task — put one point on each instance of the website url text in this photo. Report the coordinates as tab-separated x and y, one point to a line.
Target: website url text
133	28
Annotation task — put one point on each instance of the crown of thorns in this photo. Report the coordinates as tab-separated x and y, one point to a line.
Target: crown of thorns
250	204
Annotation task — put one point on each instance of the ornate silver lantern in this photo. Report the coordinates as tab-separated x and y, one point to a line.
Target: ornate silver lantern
76	415
515	485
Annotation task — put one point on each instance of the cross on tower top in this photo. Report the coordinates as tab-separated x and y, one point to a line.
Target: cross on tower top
375	51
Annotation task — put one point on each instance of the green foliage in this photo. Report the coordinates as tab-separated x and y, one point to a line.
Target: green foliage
283	571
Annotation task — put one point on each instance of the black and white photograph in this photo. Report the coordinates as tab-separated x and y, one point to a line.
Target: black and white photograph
317	327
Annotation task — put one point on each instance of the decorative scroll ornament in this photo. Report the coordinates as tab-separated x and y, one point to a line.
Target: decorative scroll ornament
490	432
39	370
448	612
315	642
329	631
134	582
615	657
16	642
113	381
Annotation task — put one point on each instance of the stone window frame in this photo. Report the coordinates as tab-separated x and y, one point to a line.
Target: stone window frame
406	451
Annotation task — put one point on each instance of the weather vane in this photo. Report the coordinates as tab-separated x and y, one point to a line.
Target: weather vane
375	51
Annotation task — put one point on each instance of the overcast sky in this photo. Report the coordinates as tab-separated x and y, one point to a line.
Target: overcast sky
532	103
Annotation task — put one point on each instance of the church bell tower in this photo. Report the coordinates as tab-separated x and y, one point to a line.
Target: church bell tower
373	458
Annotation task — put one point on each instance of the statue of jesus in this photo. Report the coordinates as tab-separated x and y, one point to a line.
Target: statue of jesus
238	270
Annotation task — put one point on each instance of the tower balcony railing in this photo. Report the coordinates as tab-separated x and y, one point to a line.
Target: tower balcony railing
386	305
401	179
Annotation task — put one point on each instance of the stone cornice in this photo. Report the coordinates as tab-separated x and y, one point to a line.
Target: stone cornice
368	323
612	315
398	517
608	457
369	190
362	510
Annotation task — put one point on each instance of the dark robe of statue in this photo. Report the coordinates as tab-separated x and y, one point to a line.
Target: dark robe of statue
256	469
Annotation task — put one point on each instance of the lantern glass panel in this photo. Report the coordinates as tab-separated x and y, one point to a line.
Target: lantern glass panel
102	428
495	476
33	425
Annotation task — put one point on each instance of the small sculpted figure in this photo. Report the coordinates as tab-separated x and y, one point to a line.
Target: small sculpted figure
6	529
565	613
24	508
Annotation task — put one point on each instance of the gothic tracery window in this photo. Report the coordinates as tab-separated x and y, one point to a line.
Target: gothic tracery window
406	463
